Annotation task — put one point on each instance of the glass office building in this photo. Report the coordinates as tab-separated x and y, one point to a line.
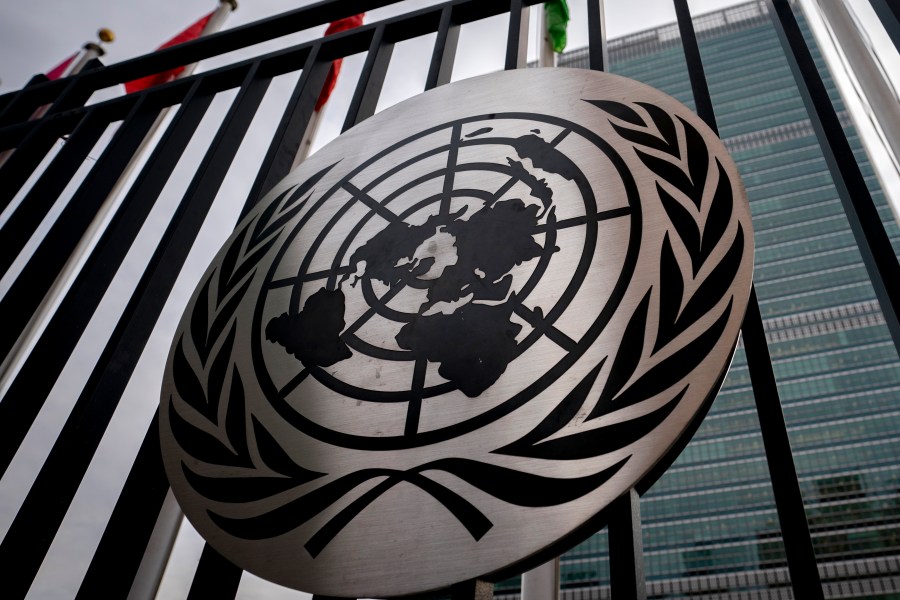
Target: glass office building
710	528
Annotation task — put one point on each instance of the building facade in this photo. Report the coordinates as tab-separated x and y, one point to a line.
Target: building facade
710	527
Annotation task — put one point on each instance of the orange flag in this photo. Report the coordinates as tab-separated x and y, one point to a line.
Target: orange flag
191	33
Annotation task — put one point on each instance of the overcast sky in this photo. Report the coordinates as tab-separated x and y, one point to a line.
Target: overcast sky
38	34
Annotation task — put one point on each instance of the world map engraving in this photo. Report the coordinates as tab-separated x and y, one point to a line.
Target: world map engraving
463	261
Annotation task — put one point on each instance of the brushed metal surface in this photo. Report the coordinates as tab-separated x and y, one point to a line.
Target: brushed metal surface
457	332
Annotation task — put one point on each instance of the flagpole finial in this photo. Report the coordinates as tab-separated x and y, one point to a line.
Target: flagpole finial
106	35
94	47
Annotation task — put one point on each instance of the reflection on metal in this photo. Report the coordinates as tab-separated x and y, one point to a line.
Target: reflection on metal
868	94
457	333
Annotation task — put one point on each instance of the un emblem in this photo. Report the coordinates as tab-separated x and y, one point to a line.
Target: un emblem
447	341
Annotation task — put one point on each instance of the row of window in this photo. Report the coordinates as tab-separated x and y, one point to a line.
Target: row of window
788	167
811	463
818	281
825	363
815	300
824	410
851	380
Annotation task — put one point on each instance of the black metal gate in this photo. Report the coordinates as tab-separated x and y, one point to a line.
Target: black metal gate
39	171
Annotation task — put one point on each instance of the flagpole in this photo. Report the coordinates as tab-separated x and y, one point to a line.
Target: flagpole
92	50
308	136
546	55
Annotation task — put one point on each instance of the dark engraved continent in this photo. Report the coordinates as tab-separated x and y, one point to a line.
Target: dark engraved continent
545	156
492	241
474	344
393	243
314	334
539	187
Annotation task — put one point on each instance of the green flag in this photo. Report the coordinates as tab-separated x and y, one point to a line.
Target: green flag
557	17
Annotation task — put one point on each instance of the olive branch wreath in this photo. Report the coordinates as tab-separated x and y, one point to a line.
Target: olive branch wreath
688	175
210	422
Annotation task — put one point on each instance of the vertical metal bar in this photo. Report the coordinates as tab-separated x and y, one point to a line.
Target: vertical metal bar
626	558
75	93
696	73
23	103
38	275
15	168
865	222
371	80
29	153
135	515
286	141
216	577
517	38
444	53
32	383
786	488
32	531
118	557
10	100
889	13
11	135
24	220
798	546
598	57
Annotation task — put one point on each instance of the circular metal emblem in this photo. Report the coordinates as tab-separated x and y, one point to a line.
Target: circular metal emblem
448	340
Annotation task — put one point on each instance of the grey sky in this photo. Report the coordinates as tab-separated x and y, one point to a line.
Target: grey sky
34	37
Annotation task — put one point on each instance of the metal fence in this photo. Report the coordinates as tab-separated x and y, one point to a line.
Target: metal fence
36	249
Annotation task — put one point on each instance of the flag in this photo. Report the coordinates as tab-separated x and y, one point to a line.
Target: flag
331	79
557	17
191	33
58	71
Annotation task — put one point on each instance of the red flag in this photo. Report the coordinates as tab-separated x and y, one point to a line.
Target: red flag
191	33
57	71
331	79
